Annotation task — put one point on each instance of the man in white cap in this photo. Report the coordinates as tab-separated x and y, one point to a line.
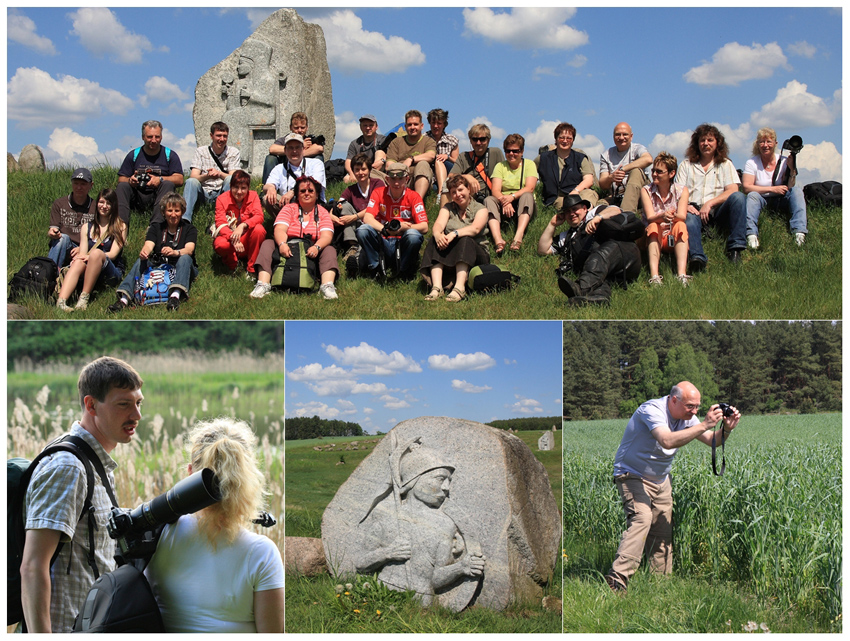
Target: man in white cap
279	189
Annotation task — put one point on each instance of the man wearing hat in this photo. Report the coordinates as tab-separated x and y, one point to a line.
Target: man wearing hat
370	143
395	202
67	215
597	256
279	189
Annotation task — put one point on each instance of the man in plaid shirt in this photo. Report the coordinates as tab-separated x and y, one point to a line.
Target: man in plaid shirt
211	169
52	595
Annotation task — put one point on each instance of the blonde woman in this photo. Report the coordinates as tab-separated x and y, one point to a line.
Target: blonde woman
209	573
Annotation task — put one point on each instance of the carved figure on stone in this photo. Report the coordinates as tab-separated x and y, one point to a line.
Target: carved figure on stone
410	541
250	97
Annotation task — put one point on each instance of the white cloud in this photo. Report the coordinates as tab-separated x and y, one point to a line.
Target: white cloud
353	50
315	372
540	72
734	63
794	107
366	359
35	99
509	361
819	162
160	89
69	145
675	143
802	49
577	61
393	403
368	410
525	28
469	388
184	147
476	361
316	409
346	407
100	31
21	29
525	406
345	387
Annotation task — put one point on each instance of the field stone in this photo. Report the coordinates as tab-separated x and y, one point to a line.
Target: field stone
11	163
546	442
304	555
499	498
31	159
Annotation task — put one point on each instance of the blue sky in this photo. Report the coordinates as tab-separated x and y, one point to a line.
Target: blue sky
81	81
380	373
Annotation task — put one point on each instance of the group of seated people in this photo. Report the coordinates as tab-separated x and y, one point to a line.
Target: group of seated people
379	223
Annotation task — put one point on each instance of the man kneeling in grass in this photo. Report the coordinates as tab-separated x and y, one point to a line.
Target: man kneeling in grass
653	435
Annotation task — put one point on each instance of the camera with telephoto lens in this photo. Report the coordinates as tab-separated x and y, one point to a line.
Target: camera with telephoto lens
392	228
793	144
727	409
136	531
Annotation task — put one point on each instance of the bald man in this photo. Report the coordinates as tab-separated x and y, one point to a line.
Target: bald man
642	475
622	169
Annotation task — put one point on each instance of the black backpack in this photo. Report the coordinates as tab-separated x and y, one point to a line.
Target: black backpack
19	471
491	278
335	170
120	601
828	193
37	277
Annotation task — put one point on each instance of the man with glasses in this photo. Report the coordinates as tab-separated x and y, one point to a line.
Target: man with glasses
476	166
564	170
279	189
642	475
622	169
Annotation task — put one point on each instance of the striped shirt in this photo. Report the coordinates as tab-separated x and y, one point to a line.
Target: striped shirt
663	205
705	185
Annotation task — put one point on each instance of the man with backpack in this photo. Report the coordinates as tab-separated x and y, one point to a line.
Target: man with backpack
53	590
147	174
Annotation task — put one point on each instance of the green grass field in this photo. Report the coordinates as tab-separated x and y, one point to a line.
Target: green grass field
761	544
314	604
778	281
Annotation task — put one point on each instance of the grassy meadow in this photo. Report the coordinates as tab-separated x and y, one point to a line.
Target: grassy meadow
760	547
778	281
317	605
156	458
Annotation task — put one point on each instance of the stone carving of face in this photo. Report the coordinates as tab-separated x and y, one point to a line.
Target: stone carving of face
245	66
432	488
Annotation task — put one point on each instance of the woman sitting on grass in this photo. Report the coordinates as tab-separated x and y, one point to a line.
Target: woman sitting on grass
303	219
239	219
99	256
512	196
665	209
171	241
459	242
209	572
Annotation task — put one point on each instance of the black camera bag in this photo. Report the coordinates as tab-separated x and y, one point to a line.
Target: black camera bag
37	277
491	278
828	193
120	601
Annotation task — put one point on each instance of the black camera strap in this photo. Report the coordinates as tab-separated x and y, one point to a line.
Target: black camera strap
722	450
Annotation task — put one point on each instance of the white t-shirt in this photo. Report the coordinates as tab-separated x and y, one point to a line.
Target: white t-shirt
755	167
204	590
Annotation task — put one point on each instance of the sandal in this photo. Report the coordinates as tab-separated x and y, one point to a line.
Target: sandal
456	295
435	293
516	245
500	248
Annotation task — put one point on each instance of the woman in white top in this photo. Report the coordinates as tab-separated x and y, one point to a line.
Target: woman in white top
762	189
209	572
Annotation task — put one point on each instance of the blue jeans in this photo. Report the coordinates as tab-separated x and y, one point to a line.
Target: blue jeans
194	192
793	201
185	274
373	243
732	213
60	250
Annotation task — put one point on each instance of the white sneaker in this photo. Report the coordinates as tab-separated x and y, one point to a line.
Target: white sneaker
753	241
656	280
261	289
328	291
82	301
63	305
800	238
685	279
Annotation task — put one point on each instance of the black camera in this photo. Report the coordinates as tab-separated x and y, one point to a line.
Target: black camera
136	531
143	177
727	409
392	228
794	144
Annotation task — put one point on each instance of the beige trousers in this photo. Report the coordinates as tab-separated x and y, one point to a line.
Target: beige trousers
649	527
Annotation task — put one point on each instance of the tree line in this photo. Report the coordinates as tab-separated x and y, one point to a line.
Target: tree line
314	427
527	423
44	342
610	368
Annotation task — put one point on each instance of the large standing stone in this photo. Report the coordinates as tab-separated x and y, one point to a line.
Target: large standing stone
31	159
434	498
281	68
11	163
546	442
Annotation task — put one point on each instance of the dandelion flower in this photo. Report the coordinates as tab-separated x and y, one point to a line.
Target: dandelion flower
347	593
348	586
366	585
750	626
339	587
357	612
337	595
378	612
764	627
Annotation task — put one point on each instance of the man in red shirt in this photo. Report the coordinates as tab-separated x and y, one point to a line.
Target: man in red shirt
380	234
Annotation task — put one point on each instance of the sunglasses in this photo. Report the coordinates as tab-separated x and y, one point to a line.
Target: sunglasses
513	151
659	171
479	139
306	191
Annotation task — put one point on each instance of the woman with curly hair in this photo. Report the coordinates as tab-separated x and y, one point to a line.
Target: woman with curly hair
210	573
